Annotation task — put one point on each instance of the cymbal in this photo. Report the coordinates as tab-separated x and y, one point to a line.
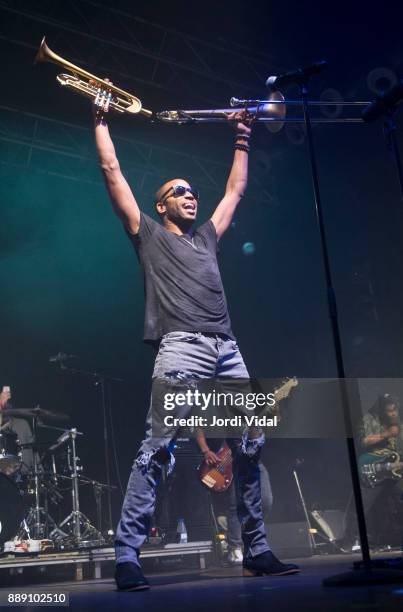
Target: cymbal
29	413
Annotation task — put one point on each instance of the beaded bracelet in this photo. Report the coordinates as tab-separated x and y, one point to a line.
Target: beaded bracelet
241	147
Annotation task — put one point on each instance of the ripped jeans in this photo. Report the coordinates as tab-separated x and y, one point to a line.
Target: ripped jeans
190	355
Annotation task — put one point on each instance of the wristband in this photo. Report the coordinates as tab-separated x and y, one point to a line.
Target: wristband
99	117
242	136
240	147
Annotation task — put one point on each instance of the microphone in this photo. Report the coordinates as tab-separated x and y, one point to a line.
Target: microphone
60	357
383	103
294	76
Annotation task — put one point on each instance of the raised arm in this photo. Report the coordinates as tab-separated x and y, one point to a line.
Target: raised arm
123	201
238	178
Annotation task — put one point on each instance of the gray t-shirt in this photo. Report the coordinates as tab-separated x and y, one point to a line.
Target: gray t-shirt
183	286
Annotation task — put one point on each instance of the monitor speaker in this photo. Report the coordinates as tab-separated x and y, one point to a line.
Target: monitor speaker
290	539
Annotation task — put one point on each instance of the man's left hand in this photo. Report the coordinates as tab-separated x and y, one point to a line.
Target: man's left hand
242	121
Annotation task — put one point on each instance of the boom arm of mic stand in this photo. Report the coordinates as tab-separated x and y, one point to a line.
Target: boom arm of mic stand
91	374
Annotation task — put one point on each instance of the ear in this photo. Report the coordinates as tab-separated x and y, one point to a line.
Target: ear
161	208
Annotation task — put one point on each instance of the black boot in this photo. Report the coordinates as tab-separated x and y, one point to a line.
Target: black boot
268	564
129	577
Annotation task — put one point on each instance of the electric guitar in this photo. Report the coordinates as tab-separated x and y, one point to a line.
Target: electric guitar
218	478
379	465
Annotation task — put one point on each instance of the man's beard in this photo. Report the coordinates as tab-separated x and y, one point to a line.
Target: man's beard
392	420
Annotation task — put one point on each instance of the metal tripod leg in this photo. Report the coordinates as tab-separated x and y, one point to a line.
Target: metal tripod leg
83	532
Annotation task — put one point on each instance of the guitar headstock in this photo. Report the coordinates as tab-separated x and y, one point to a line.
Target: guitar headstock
285	388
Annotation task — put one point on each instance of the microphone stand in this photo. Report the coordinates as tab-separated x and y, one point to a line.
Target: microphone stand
100	381
304	508
366	575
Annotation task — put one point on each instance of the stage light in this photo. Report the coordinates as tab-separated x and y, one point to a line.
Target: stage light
331	95
248	248
295	133
381	79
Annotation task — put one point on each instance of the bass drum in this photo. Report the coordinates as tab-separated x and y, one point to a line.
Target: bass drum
11	509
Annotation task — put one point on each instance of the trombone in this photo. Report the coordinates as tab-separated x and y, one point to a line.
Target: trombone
106	94
271	111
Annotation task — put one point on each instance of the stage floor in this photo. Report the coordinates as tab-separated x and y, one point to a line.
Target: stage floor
225	589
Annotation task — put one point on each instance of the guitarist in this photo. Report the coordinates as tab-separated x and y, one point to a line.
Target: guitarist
209	449
381	426
381	429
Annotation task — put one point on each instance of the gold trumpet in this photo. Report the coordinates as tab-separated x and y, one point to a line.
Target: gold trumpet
106	95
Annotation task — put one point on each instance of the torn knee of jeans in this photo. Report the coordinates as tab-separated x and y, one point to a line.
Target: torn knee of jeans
251	447
179	377
155	456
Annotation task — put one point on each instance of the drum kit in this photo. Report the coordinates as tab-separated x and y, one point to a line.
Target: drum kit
28	490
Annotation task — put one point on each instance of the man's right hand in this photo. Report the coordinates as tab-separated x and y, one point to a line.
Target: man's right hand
392	431
101	103
210	458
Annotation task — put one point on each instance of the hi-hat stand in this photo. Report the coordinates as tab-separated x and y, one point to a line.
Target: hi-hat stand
83	533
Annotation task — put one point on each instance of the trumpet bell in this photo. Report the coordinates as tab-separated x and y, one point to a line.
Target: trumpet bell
272	111
44	53
275	111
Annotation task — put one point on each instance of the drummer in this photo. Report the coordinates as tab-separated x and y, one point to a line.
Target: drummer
18	426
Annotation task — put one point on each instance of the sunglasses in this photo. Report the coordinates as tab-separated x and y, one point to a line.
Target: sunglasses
180	190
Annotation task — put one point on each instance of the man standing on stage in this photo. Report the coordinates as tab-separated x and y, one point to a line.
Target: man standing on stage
186	316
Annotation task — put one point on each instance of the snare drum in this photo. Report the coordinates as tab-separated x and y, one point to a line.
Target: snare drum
10	454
